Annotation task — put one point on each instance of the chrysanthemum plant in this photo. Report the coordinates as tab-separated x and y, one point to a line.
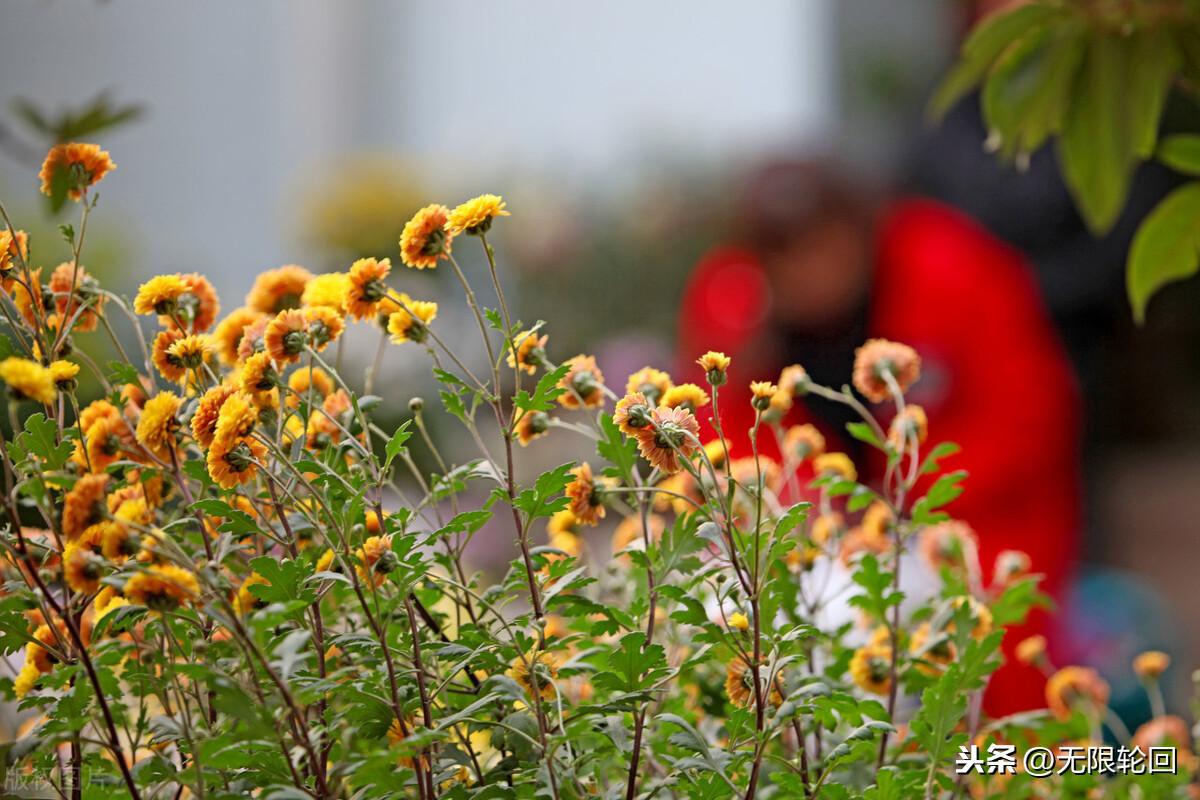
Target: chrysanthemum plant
224	579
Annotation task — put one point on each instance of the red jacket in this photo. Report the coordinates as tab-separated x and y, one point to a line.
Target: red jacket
995	380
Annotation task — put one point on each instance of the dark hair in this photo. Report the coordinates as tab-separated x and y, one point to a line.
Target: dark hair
783	199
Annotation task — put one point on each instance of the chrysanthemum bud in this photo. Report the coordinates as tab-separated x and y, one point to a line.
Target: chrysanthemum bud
715	366
1151	664
416	405
763	391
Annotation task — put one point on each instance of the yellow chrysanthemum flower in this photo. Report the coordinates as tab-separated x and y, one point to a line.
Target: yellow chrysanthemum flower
475	216
409	324
162	587
160	295
245	601
685	395
327	290
838	464
159	423
871	668
535	673
63	373
28	380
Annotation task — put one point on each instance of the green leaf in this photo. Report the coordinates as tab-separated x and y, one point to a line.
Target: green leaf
1181	153
945	489
863	733
675	551
940	451
236	521
1015	603
396	443
1096	148
944	703
1166	247
980	50
615	447
1029	88
545	496
544	394
1155	61
864	433
39	440
285	580
632	666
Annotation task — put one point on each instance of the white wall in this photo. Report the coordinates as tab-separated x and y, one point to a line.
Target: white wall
244	98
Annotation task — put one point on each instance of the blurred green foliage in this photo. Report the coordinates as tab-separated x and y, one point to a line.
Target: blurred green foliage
1095	76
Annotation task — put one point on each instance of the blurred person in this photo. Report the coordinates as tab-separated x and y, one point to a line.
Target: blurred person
814	269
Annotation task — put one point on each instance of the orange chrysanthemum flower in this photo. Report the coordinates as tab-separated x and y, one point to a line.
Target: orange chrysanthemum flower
278	289
1151	664
670	436
739	685
83	505
367	286
204	420
531	352
587	495
167	364
1031	650
584	384
909	427
14	248
257	375
159	424
107	439
236	418
653	383
199	306
233	461
794	380
325	325
78	295
426	239
1076	687
75	167
801	442
302	381
254	339
531	425
286	336
227	337
1010	566
836	464
475	216
632	413
951	544
879	359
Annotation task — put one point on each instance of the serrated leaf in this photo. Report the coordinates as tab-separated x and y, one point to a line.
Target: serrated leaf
396	443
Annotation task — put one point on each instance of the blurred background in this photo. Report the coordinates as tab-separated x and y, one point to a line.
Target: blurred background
253	135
